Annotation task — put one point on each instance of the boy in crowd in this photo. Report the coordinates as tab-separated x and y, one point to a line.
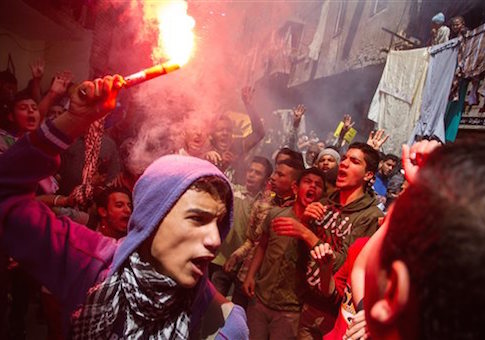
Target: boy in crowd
153	282
244	197
113	207
351	212
275	311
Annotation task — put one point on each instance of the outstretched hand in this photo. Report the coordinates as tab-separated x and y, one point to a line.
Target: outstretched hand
348	123
415	156
377	139
60	83
298	112
37	67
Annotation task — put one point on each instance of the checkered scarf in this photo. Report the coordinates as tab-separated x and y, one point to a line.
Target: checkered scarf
83	193
135	303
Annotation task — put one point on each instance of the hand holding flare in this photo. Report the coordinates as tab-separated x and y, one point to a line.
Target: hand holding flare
144	75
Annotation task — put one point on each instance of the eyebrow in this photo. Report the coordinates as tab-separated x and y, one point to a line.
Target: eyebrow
355	159
203	213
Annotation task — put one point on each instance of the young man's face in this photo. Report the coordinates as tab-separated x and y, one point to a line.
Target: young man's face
255	177
195	137
311	155
118	211
188	237
327	162
456	25
222	136
281	180
25	115
352	173
387	167
310	189
55	111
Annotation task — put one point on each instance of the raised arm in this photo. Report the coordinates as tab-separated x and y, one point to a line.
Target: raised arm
257	134
64	256
298	113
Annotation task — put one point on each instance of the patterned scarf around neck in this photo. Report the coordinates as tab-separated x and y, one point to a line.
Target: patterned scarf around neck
135	303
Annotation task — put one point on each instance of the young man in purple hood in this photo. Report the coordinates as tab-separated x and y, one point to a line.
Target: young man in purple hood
151	284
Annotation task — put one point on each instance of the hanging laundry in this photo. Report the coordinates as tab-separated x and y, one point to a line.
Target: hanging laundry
454	112
397	101
471	58
441	69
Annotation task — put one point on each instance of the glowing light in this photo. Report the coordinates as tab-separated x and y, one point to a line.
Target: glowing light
175	26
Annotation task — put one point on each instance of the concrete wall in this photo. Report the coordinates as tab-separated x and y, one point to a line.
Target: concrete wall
356	41
63	46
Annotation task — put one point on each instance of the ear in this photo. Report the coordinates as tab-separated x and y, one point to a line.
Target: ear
368	176
294	187
102	212
10	117
396	296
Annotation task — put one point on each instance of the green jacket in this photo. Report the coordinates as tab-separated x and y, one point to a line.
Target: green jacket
342	225
279	282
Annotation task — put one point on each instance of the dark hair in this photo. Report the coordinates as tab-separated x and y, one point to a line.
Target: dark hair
102	197
294	155
215	186
19	96
390	156
458	17
268	168
371	156
295	165
312	170
8	77
437	229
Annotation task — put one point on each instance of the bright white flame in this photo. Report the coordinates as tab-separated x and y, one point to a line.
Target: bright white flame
176	36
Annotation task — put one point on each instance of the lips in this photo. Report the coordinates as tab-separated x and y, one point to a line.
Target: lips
341	174
201	263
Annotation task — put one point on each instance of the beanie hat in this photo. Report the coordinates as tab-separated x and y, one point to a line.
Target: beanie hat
438	18
331	152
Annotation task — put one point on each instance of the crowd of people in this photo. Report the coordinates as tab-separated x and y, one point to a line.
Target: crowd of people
324	240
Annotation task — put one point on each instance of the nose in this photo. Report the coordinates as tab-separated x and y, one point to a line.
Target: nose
272	177
127	209
344	163
212	239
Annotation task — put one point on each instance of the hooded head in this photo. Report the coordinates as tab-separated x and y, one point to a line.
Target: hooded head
158	192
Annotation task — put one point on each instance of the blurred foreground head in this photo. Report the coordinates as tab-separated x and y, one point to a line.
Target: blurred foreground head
426	278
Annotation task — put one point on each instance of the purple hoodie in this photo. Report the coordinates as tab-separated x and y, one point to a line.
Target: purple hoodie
68	258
